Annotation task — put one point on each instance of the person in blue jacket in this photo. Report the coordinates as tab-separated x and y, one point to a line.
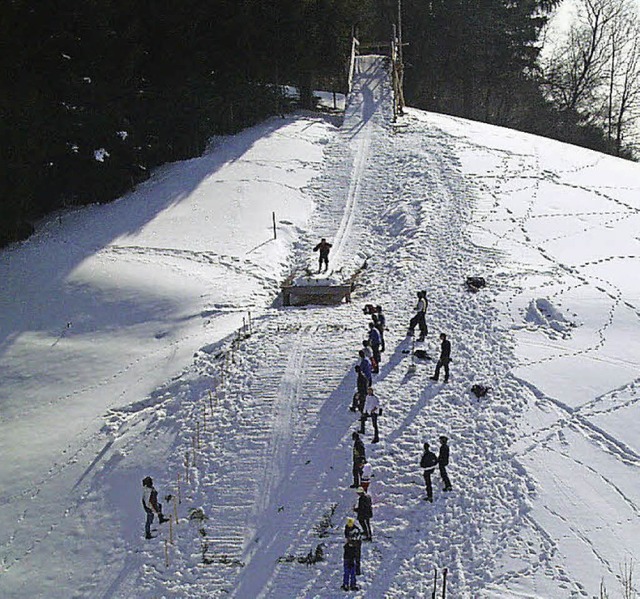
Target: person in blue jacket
365	366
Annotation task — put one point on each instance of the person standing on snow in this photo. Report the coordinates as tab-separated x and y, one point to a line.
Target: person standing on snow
374	342
429	461
353	534
445	358
151	506
419	318
365	366
362	386
349	561
380	321
371	410
364	511
365	476
368	352
359	455
323	247
443	462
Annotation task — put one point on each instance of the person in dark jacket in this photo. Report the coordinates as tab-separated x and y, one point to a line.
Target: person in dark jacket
151	505
381	322
349	561
429	461
443	462
323	247
359	456
362	386
419	318
374	342
353	535
445	358
364	511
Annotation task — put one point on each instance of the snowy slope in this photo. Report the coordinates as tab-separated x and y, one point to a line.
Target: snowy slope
122	354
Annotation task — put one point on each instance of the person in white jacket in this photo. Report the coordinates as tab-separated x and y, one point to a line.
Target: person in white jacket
365	476
371	410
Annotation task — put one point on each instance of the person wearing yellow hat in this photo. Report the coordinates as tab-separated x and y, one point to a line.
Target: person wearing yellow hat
353	535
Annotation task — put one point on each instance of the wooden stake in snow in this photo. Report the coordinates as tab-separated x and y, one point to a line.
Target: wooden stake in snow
204	418
444	583
171	529
186	466
166	553
275	235
175	509
250	324
435	583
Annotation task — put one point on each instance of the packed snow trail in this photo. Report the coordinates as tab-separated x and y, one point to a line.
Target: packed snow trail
413	229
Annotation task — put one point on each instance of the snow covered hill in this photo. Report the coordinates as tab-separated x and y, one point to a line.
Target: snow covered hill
123	354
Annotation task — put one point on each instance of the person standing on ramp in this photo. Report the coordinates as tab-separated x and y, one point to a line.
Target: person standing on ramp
323	247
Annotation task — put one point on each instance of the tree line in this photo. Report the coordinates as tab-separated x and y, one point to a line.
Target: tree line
96	93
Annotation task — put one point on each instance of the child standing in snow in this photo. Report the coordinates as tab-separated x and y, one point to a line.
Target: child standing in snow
151	505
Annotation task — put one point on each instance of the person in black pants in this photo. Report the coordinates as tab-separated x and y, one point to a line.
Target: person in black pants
445	358
361	394
380	321
429	462
324	246
359	456
364	510
443	462
420	316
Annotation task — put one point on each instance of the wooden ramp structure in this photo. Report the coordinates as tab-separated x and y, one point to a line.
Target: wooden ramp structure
301	295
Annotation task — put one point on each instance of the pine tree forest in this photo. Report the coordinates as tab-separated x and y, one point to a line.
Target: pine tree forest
96	93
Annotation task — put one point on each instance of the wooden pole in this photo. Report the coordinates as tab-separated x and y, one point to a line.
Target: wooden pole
204	418
186	466
435	583
166	553
250	324
175	509
444	583
275	235
171	529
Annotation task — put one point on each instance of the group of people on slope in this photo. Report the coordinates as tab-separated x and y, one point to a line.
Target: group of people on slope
367	403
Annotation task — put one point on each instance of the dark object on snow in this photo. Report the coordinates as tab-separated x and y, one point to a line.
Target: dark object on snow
480	390
421	354
475	283
369	309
